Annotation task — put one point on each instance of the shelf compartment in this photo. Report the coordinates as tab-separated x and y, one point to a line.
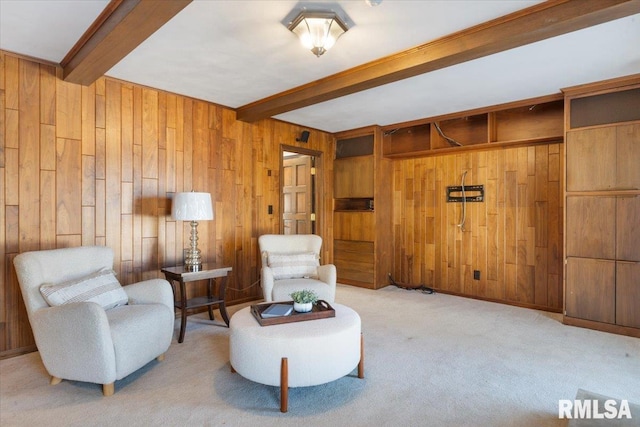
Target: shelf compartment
529	122
354	204
414	139
608	108
467	130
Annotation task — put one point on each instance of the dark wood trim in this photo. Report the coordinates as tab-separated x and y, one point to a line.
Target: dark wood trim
119	29
604	327
611	85
30	58
539	22
17	351
501	301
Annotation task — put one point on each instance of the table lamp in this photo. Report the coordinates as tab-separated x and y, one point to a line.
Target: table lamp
192	207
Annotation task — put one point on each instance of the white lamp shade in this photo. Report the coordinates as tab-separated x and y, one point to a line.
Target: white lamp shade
192	206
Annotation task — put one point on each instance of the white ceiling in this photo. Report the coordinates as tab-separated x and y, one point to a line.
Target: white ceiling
235	52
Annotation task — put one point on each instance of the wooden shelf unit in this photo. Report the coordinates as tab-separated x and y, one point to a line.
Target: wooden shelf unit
528	122
362	229
602	200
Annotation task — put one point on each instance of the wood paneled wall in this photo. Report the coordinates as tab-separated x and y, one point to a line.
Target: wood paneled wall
99	165
514	238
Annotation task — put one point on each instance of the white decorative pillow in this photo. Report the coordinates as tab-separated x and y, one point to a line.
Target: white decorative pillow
293	265
101	287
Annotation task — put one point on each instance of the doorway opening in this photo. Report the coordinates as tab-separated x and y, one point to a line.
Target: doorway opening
299	182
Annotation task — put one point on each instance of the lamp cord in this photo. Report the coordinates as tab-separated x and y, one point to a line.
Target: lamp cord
257	282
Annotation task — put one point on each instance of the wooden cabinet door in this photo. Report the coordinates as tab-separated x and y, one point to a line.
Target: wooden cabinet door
358	226
591	159
591	227
628	294
628	157
591	289
353	177
628	229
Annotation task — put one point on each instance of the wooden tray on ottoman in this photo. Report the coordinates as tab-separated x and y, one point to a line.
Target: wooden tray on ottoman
320	310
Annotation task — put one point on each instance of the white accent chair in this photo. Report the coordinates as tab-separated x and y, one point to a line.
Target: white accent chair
81	341
277	286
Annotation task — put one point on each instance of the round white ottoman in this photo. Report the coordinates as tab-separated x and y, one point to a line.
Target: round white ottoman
296	354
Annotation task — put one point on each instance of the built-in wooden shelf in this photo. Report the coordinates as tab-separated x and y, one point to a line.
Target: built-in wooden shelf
529	122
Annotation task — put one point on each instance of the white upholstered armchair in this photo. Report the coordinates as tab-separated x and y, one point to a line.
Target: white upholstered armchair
291	263
66	291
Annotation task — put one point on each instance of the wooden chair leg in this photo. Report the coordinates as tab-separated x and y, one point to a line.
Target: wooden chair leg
160	358
284	385
108	389
361	363
55	380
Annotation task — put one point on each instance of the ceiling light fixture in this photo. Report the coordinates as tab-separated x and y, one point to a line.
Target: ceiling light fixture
318	31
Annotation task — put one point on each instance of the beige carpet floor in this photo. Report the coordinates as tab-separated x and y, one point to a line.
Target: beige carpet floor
430	360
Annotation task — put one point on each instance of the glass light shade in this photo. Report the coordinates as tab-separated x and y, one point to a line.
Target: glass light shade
318	31
192	206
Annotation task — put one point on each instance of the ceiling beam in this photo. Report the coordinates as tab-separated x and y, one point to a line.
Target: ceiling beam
119	29
542	21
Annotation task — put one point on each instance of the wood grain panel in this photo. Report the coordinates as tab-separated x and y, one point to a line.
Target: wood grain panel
11	82
2	129
29	144
355	175
354	226
628	235
48	209
586	171
149	133
628	293
47	95
514	238
590	231
591	289
68	186
68	110
89	120
113	165
126	134
627	155
114	154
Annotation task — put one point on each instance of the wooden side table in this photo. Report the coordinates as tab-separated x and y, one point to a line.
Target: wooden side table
209	272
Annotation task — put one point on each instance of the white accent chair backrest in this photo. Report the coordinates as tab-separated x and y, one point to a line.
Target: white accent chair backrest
279	289
82	341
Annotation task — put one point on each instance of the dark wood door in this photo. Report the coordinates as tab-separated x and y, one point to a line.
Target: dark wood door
298	210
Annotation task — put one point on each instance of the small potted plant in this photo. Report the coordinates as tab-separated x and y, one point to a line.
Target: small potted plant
303	300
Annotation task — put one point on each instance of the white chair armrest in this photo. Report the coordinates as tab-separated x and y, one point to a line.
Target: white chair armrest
154	291
327	273
267	283
75	342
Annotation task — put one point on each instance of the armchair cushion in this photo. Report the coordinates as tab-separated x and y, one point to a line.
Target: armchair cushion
293	265
101	287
